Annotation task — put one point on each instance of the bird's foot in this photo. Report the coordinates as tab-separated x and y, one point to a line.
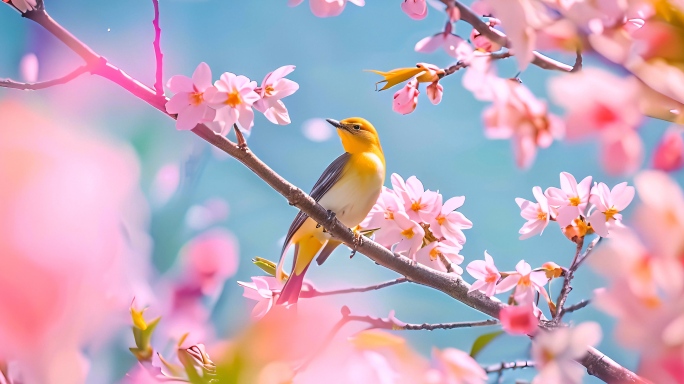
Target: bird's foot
330	217
358	240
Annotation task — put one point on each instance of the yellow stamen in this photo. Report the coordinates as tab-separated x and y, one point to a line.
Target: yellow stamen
610	213
575	201
541	215
408	233
234	99
434	253
415	206
547	355
196	98
440	219
268	91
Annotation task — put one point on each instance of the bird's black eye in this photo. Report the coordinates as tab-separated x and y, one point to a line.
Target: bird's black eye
357	127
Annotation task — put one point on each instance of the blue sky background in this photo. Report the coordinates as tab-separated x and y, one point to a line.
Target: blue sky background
442	145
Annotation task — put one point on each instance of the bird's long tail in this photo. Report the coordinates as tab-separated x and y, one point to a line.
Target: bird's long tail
305	253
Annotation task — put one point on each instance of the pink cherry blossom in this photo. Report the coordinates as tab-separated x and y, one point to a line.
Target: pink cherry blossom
420	205
28	67
233	97
327	8
555	353
23	5
263	289
669	153
486	273
209	259
190	101
410	237
571	199
537	214
275	87
415	9
382	213
449	223
457	367
434	92
481	42
608	205
597	101
526	283
519	319
519	19
622	153
517	115
430	254
453	45
406	99
480	77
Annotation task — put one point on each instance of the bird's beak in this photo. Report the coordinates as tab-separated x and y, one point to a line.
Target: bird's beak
335	123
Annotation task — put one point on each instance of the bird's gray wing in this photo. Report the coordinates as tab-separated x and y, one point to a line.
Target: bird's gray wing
329	177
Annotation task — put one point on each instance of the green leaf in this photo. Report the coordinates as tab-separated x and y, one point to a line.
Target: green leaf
482	341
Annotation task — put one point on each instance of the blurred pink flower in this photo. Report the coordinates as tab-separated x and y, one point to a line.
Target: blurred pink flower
517	115
526	283
669	153
571	199
555	353
596	101
457	367
405	100
263	289
518	18
23	5
28	67
481	42
209	259
190	99
608	205
429	255
519	319
486	273
537	214
165	183
327	8
480	77
453	45
415	9
622	153
448	222
233	97
420	205
67	268
275	87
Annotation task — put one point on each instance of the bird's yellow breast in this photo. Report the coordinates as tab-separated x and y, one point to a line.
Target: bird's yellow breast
353	196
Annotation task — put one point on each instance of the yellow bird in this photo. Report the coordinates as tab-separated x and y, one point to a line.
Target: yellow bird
349	188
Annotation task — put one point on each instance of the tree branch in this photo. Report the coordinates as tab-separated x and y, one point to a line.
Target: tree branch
498	37
570	274
317	293
159	81
450	284
577	306
9	83
497	368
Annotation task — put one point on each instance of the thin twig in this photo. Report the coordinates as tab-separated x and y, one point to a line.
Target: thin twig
242	143
375	287
497	368
578	61
577	306
596	362
9	83
565	290
158	83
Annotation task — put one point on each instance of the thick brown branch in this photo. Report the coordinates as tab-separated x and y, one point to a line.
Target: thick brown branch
450	284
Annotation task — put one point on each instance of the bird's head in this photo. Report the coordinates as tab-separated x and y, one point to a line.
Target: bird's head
357	134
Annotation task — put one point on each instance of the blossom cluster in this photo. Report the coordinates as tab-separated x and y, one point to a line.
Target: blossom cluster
417	223
643	266
229	100
578	208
